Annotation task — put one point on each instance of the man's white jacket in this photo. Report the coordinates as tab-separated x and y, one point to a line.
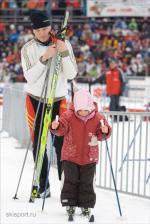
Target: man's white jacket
35	71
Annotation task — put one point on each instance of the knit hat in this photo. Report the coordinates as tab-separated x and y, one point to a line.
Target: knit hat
39	19
83	100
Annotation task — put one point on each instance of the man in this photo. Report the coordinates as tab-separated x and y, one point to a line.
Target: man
36	55
114	84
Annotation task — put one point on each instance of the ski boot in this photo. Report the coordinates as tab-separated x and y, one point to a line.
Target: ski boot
86	212
41	193
70	211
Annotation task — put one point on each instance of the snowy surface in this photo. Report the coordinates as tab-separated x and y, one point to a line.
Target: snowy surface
135	210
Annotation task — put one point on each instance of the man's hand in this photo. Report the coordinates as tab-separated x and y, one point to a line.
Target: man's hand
61	46
49	53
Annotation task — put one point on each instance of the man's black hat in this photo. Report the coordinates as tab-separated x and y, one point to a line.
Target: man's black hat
39	19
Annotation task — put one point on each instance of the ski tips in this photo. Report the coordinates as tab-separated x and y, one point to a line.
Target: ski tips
66	17
70	218
67	14
91	218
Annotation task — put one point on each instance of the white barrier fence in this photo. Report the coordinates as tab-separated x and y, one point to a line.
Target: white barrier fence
129	144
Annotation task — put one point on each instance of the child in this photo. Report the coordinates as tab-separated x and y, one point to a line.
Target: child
81	128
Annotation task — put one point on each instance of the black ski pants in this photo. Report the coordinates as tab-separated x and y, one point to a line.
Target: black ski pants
78	185
37	135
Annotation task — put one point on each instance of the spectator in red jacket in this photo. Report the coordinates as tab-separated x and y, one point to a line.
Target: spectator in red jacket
82	129
114	85
74	3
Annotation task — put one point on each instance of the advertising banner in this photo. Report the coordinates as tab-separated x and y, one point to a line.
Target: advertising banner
98	8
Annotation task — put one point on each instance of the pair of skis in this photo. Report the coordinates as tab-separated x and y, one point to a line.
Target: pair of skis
47	120
86	212
90	217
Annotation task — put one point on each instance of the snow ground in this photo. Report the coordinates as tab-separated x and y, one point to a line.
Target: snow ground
135	210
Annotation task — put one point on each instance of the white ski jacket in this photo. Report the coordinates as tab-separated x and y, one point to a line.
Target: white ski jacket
35	71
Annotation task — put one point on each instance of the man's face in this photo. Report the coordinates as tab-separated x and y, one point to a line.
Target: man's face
42	34
112	65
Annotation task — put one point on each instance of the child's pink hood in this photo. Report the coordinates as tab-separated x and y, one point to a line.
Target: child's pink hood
83	101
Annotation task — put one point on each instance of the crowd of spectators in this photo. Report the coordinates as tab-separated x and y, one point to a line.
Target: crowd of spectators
40	4
95	43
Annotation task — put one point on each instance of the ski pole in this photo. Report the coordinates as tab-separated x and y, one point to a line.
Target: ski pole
118	202
28	146
39	134
48	170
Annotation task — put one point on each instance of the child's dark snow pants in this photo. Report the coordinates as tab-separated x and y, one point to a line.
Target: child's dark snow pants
78	185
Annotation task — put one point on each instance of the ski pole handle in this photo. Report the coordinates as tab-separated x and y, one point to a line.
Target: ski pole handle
102	125
57	118
102	122
104	128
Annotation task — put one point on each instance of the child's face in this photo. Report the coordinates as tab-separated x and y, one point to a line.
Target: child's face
83	112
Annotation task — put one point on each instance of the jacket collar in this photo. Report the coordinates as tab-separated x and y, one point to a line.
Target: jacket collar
46	43
85	118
